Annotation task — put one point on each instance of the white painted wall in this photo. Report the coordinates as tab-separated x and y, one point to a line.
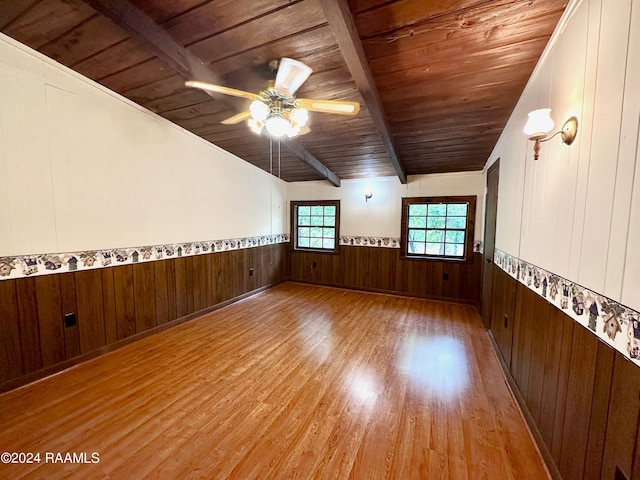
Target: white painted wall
576	211
380	216
83	168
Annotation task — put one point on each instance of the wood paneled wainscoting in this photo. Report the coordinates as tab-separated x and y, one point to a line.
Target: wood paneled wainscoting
115	305
382	269
580	396
299	381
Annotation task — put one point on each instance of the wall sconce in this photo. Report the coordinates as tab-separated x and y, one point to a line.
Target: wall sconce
368	194
540	124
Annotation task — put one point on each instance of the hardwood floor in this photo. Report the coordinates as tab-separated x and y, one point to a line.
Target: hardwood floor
299	381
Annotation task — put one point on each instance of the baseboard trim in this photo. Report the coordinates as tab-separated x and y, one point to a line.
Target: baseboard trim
62	366
524	410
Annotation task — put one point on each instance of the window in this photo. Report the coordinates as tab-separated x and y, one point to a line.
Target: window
315	225
438	227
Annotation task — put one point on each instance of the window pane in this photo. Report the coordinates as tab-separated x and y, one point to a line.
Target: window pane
417	210
455	236
317	221
304	220
330	221
435	249
303	231
303	241
454	250
328	232
435	236
416	247
416	235
315	232
316	243
436	222
437	209
453	222
330	210
457	209
317	210
417	222
304	210
328	243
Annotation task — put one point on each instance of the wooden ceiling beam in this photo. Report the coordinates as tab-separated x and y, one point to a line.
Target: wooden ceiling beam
143	29
345	33
310	160
136	23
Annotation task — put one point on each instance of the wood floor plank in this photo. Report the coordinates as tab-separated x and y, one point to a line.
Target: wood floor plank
299	381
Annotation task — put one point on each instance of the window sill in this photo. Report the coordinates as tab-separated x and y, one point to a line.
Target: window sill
316	250
438	259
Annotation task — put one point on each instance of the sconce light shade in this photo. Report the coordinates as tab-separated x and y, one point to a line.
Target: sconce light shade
539	123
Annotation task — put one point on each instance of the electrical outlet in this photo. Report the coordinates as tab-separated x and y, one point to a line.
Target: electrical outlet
69	319
251	272
314	265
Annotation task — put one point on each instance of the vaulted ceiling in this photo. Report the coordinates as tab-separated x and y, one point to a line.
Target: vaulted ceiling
437	80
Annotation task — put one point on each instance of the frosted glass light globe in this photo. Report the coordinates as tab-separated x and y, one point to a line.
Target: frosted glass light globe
540	122
259	110
255	125
277	126
294	129
300	116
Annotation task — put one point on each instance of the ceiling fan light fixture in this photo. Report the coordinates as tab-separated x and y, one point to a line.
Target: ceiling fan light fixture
259	110
294	129
255	125
276	108
277	126
291	75
299	116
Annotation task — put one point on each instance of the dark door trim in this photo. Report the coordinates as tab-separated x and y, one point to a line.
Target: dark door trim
490	217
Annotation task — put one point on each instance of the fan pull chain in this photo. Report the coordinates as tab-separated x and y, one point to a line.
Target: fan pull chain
270	155
278	158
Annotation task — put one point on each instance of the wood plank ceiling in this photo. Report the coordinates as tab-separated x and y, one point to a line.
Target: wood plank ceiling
437	80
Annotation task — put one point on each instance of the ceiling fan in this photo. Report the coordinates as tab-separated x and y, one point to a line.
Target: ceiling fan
275	108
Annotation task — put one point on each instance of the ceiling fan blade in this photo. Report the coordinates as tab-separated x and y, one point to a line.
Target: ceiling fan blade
210	87
291	75
330	106
240	117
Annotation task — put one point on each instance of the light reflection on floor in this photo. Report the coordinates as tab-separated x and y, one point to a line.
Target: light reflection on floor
317	338
434	365
363	387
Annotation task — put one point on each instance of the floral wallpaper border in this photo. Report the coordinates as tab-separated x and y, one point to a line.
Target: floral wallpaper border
385	242
614	323
48	263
